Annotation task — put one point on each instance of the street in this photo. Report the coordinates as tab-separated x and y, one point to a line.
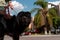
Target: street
36	37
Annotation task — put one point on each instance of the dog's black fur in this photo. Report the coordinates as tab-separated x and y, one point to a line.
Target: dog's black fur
14	26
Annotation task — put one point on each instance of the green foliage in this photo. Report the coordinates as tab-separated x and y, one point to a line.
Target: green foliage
41	3
37	20
56	21
53	12
55	17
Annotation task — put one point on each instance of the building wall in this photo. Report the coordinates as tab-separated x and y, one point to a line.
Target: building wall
59	10
2	2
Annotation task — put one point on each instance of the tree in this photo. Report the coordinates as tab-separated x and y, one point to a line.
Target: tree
43	8
44	16
55	17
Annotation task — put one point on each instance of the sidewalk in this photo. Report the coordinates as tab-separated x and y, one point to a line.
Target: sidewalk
36	37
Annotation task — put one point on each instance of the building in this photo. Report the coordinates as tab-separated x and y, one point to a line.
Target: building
2	4
59	9
56	6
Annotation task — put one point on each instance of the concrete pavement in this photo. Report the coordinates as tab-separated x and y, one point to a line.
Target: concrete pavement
36	37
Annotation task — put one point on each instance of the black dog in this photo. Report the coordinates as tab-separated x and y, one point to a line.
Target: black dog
16	25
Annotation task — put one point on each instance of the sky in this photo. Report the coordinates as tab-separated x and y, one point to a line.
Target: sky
29	4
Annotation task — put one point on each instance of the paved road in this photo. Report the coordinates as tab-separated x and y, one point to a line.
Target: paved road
36	37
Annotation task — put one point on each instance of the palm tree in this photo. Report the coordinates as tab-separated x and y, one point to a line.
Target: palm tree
43	8
43	16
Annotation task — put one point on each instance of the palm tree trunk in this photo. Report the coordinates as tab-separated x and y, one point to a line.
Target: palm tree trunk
44	12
